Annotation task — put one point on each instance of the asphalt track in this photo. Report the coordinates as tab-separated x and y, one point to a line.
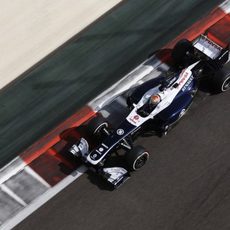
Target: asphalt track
185	185
96	58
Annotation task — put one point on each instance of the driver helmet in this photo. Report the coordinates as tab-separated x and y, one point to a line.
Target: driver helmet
155	99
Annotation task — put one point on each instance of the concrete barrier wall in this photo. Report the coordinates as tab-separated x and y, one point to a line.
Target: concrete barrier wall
30	30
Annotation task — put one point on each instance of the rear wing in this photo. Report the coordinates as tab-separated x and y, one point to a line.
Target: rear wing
219	54
208	47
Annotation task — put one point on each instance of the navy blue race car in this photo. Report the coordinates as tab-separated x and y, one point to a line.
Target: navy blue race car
156	104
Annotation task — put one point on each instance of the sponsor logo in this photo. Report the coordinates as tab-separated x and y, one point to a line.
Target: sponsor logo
182	80
101	149
132	120
120	132
98	153
210	43
136	117
187	83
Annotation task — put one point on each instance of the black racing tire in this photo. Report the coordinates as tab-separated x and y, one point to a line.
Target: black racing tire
137	158
96	125
221	80
130	99
182	52
129	102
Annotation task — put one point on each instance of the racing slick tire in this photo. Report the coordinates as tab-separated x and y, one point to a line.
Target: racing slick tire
129	102
97	126
221	80
183	53
137	158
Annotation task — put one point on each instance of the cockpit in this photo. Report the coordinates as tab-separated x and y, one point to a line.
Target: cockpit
149	106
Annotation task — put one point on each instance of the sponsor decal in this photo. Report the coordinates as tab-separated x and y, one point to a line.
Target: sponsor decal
187	83
132	120
120	132
97	154
183	78
136	117
211	43
101	149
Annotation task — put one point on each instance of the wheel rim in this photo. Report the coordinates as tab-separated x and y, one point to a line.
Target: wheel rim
166	129
226	84
100	127
140	161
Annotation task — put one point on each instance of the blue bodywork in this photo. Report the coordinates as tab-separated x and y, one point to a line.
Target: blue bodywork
168	116
180	104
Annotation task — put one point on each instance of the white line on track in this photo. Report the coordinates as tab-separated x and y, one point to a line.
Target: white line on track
37	203
11	169
36	176
12	195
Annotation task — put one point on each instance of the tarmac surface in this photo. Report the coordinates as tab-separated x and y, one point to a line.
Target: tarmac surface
185	185
88	64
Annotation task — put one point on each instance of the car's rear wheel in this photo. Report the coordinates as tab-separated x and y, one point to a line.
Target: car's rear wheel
182	53
137	158
131	100
221	80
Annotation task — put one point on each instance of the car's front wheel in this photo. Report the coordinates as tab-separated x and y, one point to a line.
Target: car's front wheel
129	102
98	126
137	158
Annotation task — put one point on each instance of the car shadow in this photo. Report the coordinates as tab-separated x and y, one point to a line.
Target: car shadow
99	181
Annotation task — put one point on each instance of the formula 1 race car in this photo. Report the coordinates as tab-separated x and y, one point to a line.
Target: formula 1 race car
157	105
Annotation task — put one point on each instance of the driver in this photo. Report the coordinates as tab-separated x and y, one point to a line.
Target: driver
154	100
148	107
